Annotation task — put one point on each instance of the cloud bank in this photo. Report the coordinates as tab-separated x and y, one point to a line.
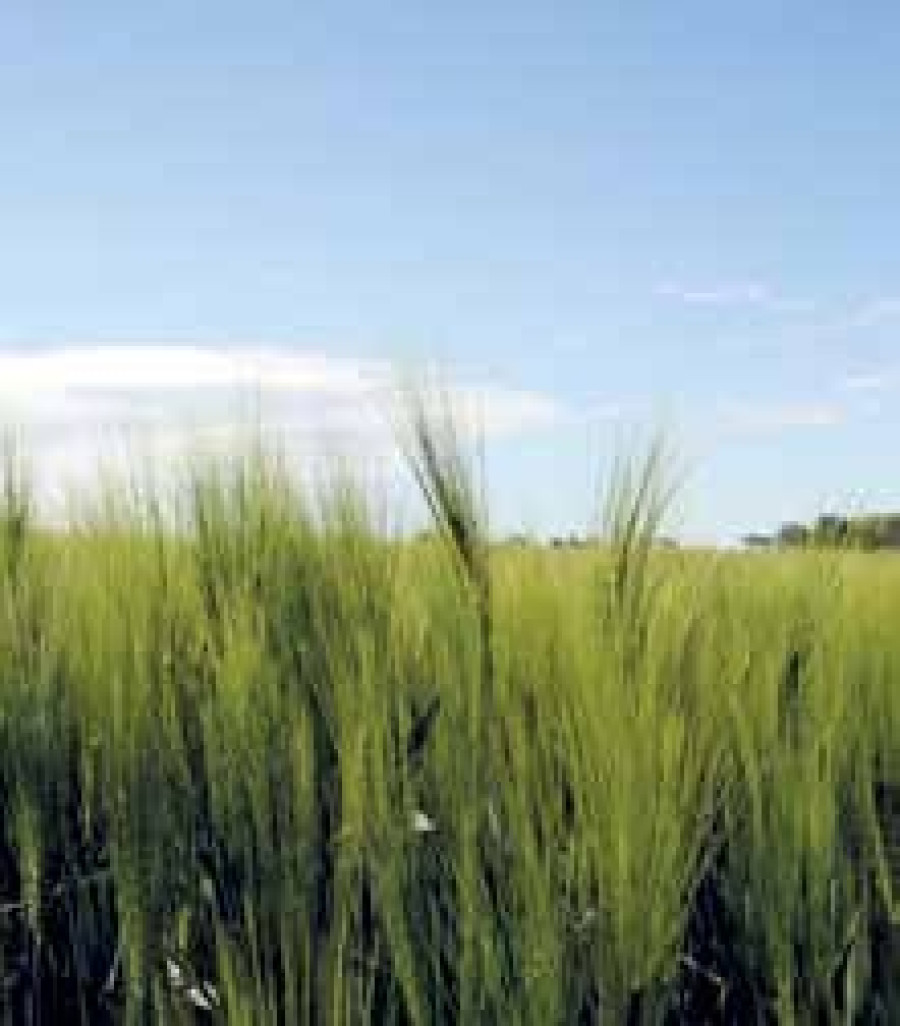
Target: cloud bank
79	406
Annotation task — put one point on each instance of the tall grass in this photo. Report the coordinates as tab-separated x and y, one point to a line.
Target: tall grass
260	764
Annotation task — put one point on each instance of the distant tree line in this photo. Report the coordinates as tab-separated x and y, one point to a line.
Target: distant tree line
574	541
831	532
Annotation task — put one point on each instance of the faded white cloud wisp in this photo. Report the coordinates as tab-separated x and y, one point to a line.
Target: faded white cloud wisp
764	418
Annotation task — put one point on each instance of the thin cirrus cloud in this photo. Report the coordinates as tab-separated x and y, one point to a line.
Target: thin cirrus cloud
735	295
76	406
739	294
870	391
875	311
877	381
773	418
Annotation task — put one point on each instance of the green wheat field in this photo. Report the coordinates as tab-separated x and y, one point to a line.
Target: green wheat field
262	763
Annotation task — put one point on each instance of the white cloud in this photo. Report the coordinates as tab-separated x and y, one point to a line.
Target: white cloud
498	411
739	294
734	294
870	382
875	311
77	405
140	368
603	411
773	418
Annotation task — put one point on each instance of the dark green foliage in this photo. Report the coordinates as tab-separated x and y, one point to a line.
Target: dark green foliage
868	534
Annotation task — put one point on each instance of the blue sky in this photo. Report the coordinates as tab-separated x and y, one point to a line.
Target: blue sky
599	218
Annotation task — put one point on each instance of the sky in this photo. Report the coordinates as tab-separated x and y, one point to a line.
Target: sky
590	221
